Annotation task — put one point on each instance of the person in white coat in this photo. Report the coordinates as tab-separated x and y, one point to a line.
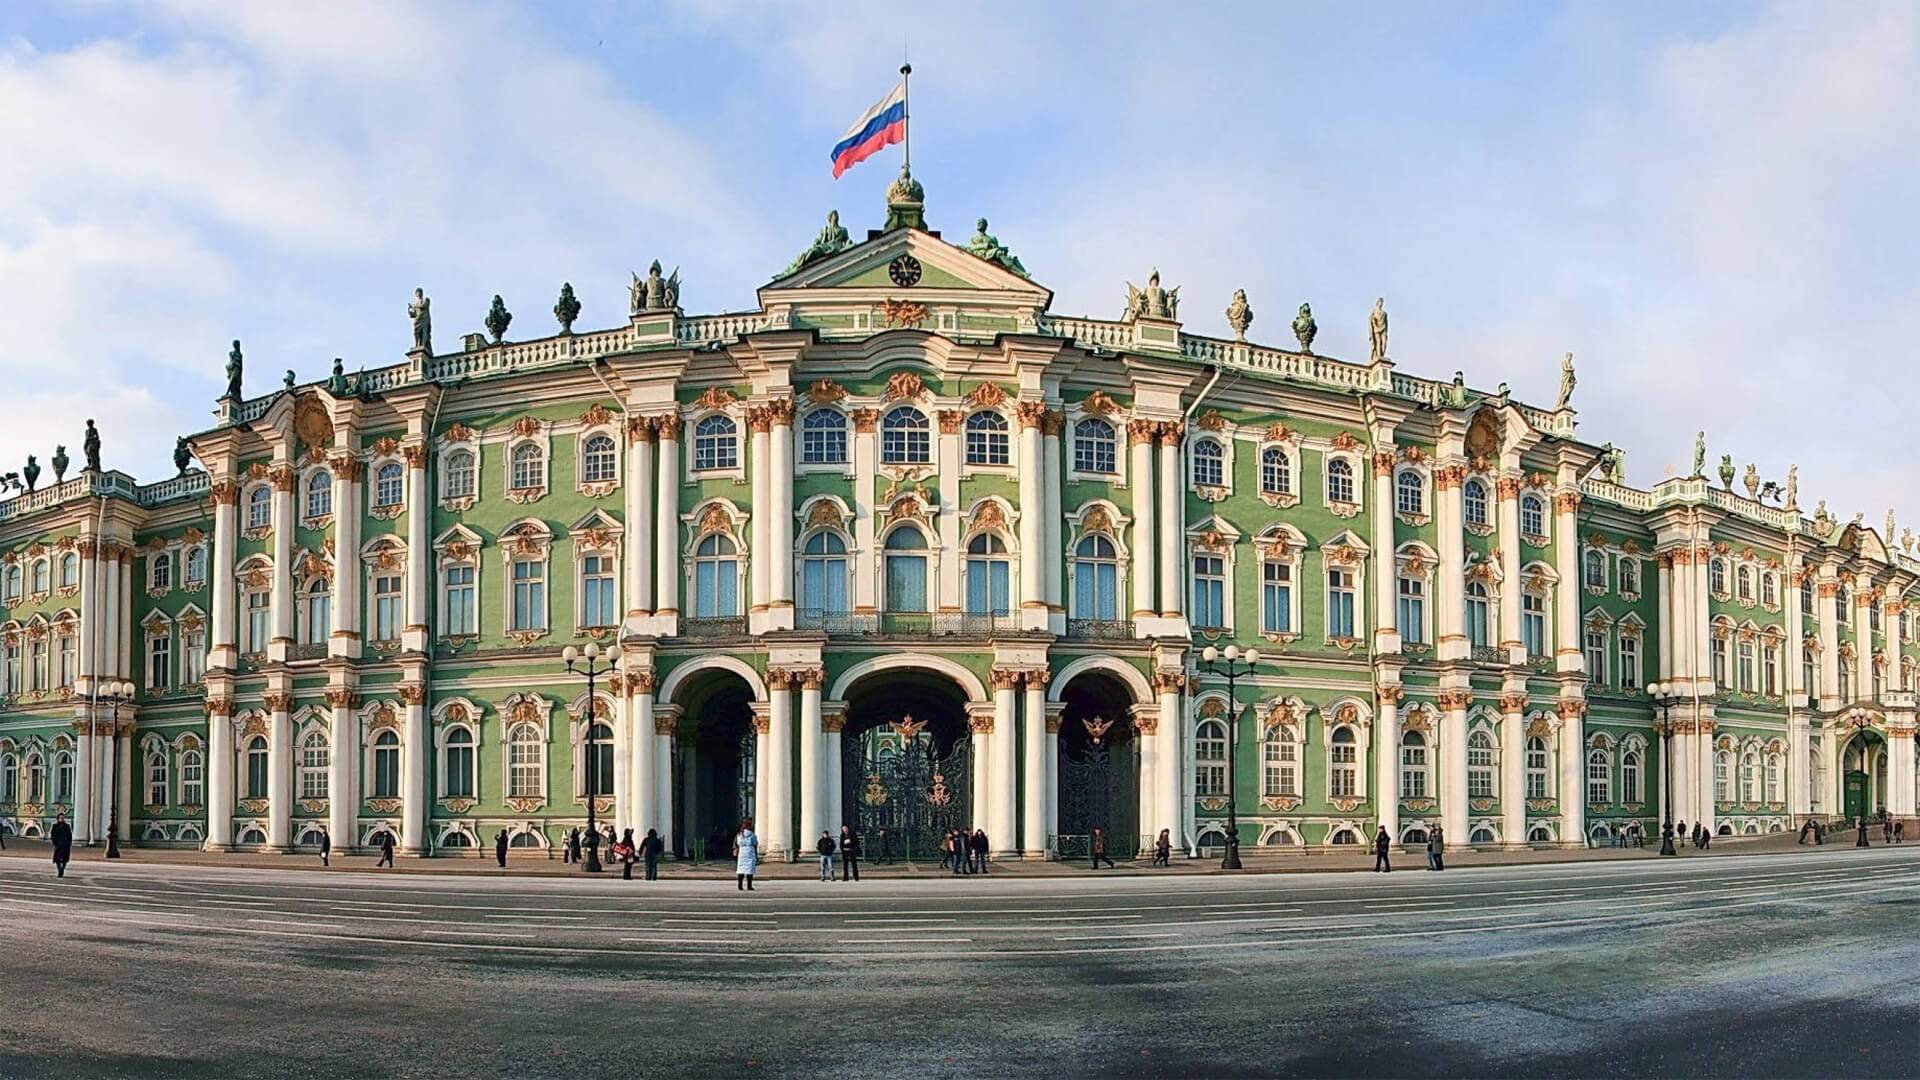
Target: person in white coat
746	856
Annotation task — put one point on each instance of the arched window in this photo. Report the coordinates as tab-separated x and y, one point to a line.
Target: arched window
456	779
1717	576
823	437
1770	589
1096	579
319	494
389	481
1843	601
386	615
1209	463
598	754
598	460
317	626
1533	516
460	474
1093	446
13	584
1723	776
1210	759
1478	603
988	571
1409	493
987	439
1340	481
161	570
1474	497
906	568
1276	596
823	574
1630	576
257	767
1599	778
157	777
716	578
1413	765
1743	584
41	582
1279	763
386	765
192	778
9	779
1480	766
1806	595
1536	764
1773	778
1630	777
315	756
1276	472
716	443
70	570
526	764
1410	608
1750	777
63	777
1343	603
1596	567
1343	764
36	778
259	507
1533	622
904	437
528	467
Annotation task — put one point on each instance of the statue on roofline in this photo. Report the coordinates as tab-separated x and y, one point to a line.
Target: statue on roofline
1152	302
421	312
60	461
1567	380
1699	457
1793	488
1305	329
988	247
235	366
1377	331
90	446
832	240
1239	315
656	293
1726	471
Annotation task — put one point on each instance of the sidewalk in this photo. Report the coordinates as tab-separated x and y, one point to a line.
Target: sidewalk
524	863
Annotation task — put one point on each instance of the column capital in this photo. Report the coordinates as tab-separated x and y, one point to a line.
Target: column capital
1454	700
642	682
1005	678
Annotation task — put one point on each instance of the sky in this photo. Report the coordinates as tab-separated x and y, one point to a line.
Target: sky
1715	207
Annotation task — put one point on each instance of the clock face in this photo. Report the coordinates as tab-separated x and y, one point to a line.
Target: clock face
905	271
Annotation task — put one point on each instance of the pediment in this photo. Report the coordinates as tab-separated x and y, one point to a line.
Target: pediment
1865	541
947	273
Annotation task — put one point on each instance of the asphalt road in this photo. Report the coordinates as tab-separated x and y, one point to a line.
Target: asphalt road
1763	965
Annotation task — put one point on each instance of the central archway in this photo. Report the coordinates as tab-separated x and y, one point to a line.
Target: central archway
1098	783
907	761
1863	774
713	760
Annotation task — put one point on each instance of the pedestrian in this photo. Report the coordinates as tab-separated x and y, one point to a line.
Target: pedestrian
746	856
980	849
1098	842
3	836
1436	849
886	846
1886	830
628	856
1706	837
650	852
62	836
1163	850
326	849
500	849
946	849
609	836
1680	830
1899	830
956	850
1862	840
570	851
386	850
826	847
1381	843
1804	830
849	854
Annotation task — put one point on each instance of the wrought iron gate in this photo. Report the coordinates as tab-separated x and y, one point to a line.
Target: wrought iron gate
895	777
1099	788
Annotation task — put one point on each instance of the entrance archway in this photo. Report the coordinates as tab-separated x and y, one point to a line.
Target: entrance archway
1098	782
713	761
906	768
1863	775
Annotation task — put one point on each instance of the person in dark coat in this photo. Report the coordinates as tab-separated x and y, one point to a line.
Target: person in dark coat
886	846
650	852
500	849
1097	843
386	850
326	850
1163	849
1436	849
1381	844
849	854
826	847
980	847
1862	840
1899	831
62	837
3	836
626	854
573	847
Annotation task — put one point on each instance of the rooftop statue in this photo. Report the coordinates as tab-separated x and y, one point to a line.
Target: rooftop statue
1699	457
31	474
988	247
90	446
1459	400
60	461
337	382
235	363
1377	331
832	240
498	319
1305	329
1567	380
1152	302
1751	481
1726	471
290	379
567	308
182	455
1888	535
1239	314
1906	540
656	293
1793	488
421	312
905	189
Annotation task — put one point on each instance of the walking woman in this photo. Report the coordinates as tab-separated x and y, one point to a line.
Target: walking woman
1382	843
746	856
1163	849
1099	845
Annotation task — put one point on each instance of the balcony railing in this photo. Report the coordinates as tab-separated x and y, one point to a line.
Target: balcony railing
1491	654
724	627
1100	629
914	624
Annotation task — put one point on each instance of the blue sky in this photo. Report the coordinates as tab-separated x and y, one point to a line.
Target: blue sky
1713	207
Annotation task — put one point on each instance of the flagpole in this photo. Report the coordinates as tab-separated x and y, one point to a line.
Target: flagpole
906	117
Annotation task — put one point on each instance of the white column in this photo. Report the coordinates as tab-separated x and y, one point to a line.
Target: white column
622	724
279	771
108	748
1450	578
343	629
1053	557
666	550
947	595
664	722
646	754
1171	488
1146	728
226	493
1033	516
1453	765
779	830
1863	638
1035	791
1386	767
830	749
86	759
220	773
1003	833
1513	770
1386	631
1900	793
762	774
1573	771
1145	552
124	766
1569	658
638	527
342	800
419	544
1172	776
1508	514
760	488
413	759
280	596
1664	634
108	612
813	816
866	467
780	523
1829	604
1051	746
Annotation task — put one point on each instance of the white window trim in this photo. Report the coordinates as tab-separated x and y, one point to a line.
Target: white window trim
542	538
1425	513
829	468
743	445
1012	433
542	723
316	521
582	548
543	443
739	530
1355	471
445	449
158	626
1211	492
1428	576
1069	440
442	730
370	552
598	488
1291	452
1480	723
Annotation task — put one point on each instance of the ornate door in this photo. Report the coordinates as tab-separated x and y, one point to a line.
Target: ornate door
897	778
1099	788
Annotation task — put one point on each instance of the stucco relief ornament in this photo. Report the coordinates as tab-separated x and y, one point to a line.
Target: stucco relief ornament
904	386
1240	315
1305	329
988	247
1152	302
420	310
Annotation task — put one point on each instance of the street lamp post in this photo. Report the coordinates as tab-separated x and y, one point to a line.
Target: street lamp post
587	662
117	694
1663	697
1233	670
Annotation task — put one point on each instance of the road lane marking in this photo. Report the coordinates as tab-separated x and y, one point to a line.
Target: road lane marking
1113	937
906	941
895	922
1085	918
301	923
480	933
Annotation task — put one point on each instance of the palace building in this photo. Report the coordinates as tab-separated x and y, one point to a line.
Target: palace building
903	548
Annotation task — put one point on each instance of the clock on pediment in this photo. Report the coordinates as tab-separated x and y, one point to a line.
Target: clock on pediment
904	270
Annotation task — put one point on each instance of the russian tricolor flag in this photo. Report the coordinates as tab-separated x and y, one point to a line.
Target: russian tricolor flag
879	127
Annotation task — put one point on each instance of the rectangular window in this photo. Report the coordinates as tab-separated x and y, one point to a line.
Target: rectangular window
529	595
12	683
257	621
1413	772
1533	623
1279	776
462	615
1629	661
596	592
1536	769
160	661
1479	768
1209	591
1599	781
191	779
1597	656
193	656
988	590
823	585
39	660
386	607
156	780
1410	615
1341	771
1746	666
1770	670
1809	673
1719	655
1096	592
1276	597
69	659
1340	595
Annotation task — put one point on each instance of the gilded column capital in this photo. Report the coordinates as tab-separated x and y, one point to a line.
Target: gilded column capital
1053	423
1515	702
780	412
1572	708
864	420
950	421
1566	502
665	724
642	682
1031	414
1383	462
639	429
980	723
1005	678
811	678
1447	477
1169	681
762	724
1171	432
1142	431
1390	695
759	420
667	425
224	492
277	701
833	723
341	697
411	693
218	706
1038	678
281	475
1508	487
1454	700
416	455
